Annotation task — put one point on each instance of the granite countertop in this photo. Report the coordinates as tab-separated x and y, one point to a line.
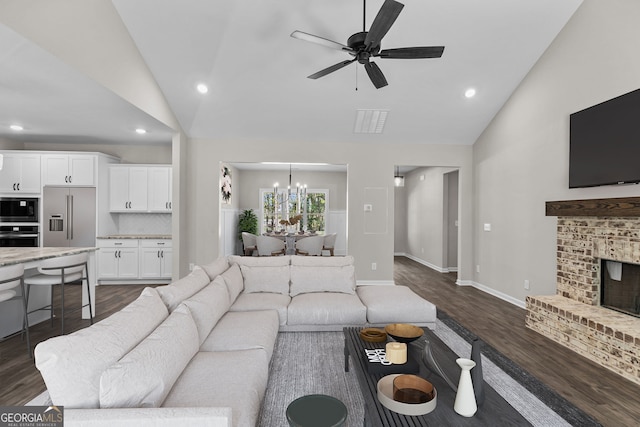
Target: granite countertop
136	236
16	255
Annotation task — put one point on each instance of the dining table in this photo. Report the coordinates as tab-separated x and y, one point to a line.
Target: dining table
32	257
290	239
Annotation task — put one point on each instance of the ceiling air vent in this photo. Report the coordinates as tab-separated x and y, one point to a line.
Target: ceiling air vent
370	121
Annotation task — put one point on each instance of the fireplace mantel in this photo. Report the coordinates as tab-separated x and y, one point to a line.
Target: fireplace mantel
617	207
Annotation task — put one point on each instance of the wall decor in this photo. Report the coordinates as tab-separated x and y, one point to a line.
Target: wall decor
225	184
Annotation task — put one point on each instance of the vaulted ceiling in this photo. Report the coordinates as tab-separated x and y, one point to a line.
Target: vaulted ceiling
256	73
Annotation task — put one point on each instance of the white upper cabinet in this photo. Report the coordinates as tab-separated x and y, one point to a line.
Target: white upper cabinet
68	169
159	188
138	188
128	189
20	173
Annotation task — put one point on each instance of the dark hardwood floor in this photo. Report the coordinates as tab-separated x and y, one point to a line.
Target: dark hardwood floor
20	381
606	396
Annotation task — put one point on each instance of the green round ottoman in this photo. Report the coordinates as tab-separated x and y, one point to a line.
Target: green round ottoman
316	410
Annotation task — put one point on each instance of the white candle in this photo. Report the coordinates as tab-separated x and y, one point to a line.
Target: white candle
396	352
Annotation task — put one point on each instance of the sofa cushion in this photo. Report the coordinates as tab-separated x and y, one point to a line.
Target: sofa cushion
395	304
266	279
208	306
243	330
306	279
263	301
327	308
235	284
176	292
216	267
71	365
145	375
236	379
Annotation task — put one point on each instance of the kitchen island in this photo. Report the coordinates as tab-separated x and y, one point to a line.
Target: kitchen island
31	258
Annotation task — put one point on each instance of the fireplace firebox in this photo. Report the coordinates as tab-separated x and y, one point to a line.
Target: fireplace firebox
620	286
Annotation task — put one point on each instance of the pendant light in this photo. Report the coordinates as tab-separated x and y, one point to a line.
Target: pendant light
398	180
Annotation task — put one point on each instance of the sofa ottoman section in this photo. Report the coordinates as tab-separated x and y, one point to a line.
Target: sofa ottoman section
396	304
321	309
244	330
235	379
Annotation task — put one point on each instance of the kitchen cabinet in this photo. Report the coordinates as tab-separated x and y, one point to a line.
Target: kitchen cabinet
118	259
155	258
160	192
20	173
68	169
128	189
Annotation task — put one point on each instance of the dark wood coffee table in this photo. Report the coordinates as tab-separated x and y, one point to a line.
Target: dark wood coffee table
494	411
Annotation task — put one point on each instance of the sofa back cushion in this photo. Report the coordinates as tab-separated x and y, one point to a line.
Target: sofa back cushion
322	274
233	279
144	376
71	365
176	292
216	267
266	279
208	306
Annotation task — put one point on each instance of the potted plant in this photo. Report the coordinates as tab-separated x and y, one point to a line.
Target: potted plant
248	223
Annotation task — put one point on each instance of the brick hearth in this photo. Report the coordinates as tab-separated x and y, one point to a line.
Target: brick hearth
573	316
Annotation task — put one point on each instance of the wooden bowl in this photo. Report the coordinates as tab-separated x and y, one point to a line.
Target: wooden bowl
403	332
373	335
412	389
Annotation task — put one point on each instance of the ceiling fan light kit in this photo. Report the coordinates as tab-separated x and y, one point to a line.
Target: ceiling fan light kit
365	45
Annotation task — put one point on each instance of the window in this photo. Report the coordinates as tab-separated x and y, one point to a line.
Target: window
312	209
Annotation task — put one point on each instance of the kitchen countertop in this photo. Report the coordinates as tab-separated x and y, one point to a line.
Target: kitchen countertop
17	255
136	236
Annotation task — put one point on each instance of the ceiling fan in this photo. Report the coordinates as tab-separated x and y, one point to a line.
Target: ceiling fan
366	44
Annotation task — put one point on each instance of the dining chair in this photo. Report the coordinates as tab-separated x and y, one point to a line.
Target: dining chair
270	246
329	242
12	277
249	243
311	245
61	271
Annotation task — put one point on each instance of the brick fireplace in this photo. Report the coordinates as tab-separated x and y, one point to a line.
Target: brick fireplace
590	231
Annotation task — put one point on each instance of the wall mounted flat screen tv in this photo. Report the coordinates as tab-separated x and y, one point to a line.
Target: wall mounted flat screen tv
605	143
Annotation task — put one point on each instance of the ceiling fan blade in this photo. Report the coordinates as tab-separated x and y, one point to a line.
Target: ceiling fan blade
331	69
383	21
375	74
320	40
412	52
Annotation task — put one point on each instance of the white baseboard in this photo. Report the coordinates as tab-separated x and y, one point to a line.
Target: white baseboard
483	288
491	291
427	264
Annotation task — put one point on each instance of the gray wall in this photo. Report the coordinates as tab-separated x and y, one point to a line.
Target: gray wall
422	231
521	160
370	172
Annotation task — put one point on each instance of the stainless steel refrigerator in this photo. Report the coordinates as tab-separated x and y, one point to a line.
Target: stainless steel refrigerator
69	216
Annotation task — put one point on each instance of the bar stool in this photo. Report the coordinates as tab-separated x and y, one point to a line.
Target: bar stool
60	271
11	277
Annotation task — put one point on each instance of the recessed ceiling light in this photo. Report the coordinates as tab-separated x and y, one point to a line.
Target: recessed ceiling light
470	93
202	88
17	128
141	131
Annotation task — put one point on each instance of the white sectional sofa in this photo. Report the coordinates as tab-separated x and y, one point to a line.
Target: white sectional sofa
197	351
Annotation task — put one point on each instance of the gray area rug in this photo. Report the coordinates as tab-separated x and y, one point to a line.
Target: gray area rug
313	363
